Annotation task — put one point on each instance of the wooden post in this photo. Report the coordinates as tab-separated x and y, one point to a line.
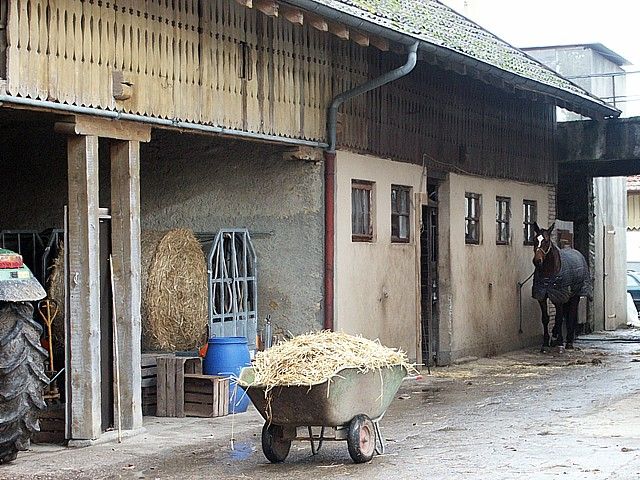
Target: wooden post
125	246
84	287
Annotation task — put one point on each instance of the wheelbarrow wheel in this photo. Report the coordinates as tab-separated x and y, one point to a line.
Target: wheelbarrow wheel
274	446
361	439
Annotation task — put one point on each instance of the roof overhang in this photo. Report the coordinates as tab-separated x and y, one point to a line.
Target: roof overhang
587	105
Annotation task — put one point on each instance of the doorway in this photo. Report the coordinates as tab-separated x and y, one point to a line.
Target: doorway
429	276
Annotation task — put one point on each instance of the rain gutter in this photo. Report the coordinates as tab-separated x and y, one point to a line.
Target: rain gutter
159	122
330	173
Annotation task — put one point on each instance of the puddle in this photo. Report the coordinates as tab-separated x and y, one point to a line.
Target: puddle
241	451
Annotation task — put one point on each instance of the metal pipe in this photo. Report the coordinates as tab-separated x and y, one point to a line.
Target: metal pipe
329	237
388	77
160	122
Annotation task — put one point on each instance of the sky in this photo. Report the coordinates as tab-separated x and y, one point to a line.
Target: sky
534	23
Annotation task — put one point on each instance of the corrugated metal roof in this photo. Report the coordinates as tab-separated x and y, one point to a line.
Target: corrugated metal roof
432	22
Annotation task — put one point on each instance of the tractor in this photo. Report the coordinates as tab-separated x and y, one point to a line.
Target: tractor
22	369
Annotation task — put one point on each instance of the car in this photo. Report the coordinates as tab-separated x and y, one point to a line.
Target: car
633	287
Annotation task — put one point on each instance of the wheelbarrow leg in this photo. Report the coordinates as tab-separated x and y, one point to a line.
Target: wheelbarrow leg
380	445
315	449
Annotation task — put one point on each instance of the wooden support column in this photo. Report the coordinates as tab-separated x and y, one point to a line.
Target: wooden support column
84	287
125	245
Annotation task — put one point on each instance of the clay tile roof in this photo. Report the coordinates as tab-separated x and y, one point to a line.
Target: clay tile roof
432	22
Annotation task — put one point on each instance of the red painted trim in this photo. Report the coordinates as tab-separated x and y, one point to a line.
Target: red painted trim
329	236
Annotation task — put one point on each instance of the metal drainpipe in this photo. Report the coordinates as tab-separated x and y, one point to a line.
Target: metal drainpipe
330	173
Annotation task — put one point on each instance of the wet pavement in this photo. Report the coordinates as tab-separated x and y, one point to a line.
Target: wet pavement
529	415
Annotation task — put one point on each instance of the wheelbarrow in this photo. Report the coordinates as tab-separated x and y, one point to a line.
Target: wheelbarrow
347	407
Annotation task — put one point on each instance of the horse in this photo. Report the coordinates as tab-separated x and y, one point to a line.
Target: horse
562	276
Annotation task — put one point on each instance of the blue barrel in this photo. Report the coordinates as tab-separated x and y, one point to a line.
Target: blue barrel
226	356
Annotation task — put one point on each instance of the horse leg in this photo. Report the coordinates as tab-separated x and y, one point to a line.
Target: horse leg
572	320
545	324
557	327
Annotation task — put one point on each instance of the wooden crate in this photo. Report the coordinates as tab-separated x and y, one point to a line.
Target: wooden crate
149	373
170	383
206	395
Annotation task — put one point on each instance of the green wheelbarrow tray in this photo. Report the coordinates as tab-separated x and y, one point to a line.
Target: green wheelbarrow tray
347	407
331	403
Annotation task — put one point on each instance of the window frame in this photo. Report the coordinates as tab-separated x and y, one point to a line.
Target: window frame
469	198
397	215
364	185
528	222
505	219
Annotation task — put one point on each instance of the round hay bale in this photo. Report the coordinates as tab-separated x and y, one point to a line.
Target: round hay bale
174	291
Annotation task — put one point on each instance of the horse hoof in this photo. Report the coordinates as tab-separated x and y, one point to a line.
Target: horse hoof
560	349
569	346
544	350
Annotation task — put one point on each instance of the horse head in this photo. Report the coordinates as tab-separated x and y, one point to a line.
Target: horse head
542	244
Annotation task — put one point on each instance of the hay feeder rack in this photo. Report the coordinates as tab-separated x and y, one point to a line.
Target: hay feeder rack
347	407
233	286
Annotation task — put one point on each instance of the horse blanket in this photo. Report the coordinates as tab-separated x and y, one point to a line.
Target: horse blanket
572	279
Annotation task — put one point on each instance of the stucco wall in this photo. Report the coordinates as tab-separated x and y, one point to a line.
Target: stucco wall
610	222
375	282
204	184
478	283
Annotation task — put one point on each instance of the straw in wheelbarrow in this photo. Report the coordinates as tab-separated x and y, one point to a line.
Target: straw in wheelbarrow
314	358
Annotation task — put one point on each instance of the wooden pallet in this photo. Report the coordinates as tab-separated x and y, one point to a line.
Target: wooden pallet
170	383
206	395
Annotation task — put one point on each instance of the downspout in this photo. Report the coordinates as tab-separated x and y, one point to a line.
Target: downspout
330	173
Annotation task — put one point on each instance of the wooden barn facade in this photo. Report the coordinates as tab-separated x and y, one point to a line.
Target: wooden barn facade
413	227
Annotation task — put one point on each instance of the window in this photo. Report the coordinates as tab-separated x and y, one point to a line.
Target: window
472	218
361	225
529	217
400	202
503	214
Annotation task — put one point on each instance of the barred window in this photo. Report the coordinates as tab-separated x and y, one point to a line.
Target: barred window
400	202
503	216
361	223
529	217
472	218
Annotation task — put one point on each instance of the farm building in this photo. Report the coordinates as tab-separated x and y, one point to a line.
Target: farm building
389	160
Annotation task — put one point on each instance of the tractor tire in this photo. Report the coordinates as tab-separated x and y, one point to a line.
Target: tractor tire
22	378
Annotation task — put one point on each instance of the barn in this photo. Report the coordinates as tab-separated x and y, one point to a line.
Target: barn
388	158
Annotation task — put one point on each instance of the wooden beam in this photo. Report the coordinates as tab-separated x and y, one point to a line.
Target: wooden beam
84	288
292	15
267	7
105	127
307	154
126	258
380	43
317	22
339	31
360	38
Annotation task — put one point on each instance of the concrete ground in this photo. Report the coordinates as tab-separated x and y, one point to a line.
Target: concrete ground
523	415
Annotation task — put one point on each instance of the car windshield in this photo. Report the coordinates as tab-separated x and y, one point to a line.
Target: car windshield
632	281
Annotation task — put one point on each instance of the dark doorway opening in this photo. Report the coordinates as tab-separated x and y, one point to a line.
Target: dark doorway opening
429	277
